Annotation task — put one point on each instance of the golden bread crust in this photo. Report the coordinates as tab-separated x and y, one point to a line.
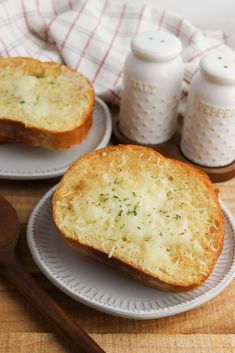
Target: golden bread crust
121	263
12	131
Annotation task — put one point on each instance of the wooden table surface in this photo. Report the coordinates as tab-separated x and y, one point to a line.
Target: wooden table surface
206	329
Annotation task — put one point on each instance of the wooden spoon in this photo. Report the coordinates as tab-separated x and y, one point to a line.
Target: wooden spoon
13	270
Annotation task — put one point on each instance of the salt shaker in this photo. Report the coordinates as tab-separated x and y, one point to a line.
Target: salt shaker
153	74
208	135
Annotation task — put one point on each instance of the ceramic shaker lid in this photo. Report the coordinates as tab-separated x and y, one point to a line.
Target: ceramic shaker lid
156	46
219	67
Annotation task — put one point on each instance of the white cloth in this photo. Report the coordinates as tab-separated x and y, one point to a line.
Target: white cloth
93	36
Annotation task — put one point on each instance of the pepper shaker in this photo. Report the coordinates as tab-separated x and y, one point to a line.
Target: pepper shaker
153	74
208	135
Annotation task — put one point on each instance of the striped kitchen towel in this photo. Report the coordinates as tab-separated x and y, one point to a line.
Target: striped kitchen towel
93	36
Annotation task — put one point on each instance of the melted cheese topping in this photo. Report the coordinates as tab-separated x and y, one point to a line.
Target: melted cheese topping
53	103
156	219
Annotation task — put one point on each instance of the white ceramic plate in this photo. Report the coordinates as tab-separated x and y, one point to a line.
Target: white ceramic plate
18	161
105	289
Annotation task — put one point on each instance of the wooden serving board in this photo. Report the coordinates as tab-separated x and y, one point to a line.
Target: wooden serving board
171	149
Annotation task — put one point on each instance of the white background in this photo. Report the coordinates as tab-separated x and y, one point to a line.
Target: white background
205	14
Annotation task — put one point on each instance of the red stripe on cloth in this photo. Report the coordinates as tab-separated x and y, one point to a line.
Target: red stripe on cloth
136	30
191	37
178	27
54	8
40	14
73	24
117	78
192	75
186	80
162	18
50	23
38	9
5	47
111	43
25	16
225	38
48	28
13	28
91	35
204	52
140	18
114	94
70	4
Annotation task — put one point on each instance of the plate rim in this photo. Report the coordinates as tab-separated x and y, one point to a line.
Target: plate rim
59	172
120	312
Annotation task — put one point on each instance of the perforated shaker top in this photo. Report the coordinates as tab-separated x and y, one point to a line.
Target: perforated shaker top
156	46
219	67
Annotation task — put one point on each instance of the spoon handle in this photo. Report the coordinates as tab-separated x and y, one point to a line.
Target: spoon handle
52	312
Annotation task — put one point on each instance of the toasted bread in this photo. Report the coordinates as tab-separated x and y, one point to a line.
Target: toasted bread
43	103
155	218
